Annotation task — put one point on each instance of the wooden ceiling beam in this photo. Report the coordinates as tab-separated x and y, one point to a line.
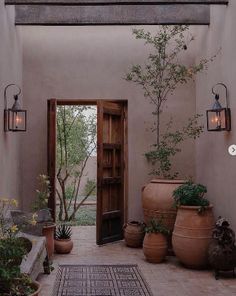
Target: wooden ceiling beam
112	15
112	2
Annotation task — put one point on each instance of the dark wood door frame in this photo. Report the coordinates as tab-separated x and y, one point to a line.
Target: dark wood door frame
52	104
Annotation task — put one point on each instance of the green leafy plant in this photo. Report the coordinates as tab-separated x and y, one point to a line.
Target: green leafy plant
156	226
159	77
63	231
12	251
90	187
190	194
43	193
160	155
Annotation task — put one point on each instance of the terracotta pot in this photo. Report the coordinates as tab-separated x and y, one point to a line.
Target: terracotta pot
158	201
48	232
37	286
63	246
134	234
155	247
192	235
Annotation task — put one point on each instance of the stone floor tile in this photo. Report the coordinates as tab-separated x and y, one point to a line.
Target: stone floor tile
166	279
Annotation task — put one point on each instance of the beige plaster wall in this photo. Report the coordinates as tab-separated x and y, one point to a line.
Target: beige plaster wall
89	62
10	72
214	166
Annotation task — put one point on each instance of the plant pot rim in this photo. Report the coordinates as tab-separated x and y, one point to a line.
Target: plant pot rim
49	225
134	222
154	233
168	181
195	207
63	239
35	283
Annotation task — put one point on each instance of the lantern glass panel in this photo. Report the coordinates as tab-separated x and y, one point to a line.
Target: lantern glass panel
16	120
216	120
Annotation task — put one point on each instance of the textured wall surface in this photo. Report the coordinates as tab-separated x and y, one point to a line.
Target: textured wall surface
215	167
89	62
10	72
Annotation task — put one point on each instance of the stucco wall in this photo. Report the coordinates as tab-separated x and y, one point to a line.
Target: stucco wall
10	72
214	166
89	62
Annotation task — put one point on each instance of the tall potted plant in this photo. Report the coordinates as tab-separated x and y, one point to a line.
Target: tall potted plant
194	225
159	78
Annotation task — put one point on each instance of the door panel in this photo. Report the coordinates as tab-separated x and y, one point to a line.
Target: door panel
110	201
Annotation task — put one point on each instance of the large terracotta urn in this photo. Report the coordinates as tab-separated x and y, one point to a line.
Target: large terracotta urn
157	201
155	247
192	235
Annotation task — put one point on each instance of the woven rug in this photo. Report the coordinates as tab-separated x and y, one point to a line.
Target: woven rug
100	280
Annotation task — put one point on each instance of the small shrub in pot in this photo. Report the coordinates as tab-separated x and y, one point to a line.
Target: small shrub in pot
194	224
155	241
63	242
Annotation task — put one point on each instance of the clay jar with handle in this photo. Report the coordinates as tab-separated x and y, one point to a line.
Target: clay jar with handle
134	234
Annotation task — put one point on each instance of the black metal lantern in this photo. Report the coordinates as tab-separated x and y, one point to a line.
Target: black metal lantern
14	117
219	118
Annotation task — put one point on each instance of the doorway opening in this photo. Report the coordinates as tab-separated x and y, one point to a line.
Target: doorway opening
76	164
87	164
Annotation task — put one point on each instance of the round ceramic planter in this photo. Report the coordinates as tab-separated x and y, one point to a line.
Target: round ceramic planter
155	247
37	286
63	246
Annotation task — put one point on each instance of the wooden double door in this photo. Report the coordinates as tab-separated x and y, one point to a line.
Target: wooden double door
111	164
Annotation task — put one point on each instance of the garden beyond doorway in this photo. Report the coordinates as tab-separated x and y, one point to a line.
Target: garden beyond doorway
76	164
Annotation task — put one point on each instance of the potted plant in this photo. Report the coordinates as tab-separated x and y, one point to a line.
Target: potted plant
12	251
155	241
193	226
63	242
42	213
161	74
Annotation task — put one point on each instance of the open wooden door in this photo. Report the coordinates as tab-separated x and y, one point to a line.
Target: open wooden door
52	113
111	183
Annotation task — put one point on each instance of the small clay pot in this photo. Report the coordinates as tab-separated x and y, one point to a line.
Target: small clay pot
37	286
134	234
155	247
63	246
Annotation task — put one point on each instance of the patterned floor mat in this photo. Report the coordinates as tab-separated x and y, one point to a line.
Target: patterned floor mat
100	280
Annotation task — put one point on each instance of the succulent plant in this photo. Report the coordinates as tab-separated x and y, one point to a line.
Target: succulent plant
63	231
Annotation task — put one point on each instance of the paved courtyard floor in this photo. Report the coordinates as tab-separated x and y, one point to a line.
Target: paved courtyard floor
168	278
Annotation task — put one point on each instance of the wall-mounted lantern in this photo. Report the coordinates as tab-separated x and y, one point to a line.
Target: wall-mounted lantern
219	118
14	117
